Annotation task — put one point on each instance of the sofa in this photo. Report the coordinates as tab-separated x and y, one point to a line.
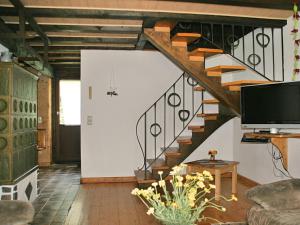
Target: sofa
275	204
15	212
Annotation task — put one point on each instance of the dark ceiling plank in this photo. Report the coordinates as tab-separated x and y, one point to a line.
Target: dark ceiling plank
62	34
67	21
83	44
72	29
32	22
24	50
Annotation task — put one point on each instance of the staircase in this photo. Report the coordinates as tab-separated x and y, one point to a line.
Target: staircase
186	100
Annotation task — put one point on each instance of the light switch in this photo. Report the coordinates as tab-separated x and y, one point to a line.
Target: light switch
89	120
40	119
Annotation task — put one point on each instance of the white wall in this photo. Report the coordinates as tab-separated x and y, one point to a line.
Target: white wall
109	146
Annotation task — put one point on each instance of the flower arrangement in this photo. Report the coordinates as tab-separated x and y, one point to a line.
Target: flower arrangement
187	201
213	154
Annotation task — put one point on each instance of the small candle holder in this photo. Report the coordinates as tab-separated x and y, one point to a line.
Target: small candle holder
212	154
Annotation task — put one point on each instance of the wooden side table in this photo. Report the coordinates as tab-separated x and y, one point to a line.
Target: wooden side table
216	169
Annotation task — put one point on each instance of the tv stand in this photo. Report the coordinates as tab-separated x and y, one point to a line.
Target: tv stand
280	140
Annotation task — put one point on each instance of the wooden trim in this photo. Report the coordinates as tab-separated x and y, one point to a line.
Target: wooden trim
159	7
246	181
97	180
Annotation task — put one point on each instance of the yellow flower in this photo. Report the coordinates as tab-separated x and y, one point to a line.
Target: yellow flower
150	211
135	191
154	184
200	184
189	177
206	173
223	209
234	198
174	204
160	172
206	200
206	190
156	197
161	183
179	178
191	203
212	186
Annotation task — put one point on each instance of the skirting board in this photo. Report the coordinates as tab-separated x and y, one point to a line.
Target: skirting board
247	181
98	180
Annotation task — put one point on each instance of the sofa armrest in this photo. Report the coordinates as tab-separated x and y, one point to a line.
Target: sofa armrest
279	195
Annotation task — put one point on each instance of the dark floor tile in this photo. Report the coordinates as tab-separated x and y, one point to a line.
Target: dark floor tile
58	185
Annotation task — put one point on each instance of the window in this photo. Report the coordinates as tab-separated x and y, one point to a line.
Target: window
69	104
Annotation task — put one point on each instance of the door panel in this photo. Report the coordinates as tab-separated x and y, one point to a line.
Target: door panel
69	144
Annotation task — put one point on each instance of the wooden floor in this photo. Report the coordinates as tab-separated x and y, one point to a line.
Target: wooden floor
112	204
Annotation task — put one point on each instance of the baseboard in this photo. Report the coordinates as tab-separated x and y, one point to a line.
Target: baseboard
98	180
44	164
246	181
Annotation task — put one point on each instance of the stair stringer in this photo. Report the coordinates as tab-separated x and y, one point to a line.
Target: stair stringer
198	138
179	56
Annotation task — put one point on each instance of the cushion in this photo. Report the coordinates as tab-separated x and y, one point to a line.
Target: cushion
279	195
15	213
260	216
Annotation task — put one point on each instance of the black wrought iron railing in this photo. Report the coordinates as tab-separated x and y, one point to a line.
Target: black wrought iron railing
164	121
261	49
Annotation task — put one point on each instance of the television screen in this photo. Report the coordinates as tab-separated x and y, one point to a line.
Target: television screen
272	105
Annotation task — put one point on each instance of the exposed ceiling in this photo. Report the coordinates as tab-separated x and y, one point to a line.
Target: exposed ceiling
62	27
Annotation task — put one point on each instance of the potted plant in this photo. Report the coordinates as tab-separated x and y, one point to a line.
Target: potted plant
185	203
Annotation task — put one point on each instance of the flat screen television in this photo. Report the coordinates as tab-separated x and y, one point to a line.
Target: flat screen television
273	106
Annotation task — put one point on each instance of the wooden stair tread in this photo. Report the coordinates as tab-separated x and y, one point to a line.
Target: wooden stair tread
199	53
210	101
245	82
196	128
225	68
191	127
184	140
164	26
158	164
199	88
208	116
141	179
182	39
172	152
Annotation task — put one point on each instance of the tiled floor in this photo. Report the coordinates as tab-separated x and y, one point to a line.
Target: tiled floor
58	188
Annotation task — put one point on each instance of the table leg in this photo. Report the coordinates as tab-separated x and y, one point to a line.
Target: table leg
234	180
218	184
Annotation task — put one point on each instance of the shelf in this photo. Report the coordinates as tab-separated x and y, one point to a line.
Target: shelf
279	140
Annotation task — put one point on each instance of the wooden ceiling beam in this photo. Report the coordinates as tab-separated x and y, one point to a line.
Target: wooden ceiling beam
183	7
85	35
32	22
78	21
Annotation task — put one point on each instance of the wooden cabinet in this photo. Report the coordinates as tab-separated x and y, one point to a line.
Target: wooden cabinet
18	122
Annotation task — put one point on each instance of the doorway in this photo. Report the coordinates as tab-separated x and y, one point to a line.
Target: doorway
68	121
